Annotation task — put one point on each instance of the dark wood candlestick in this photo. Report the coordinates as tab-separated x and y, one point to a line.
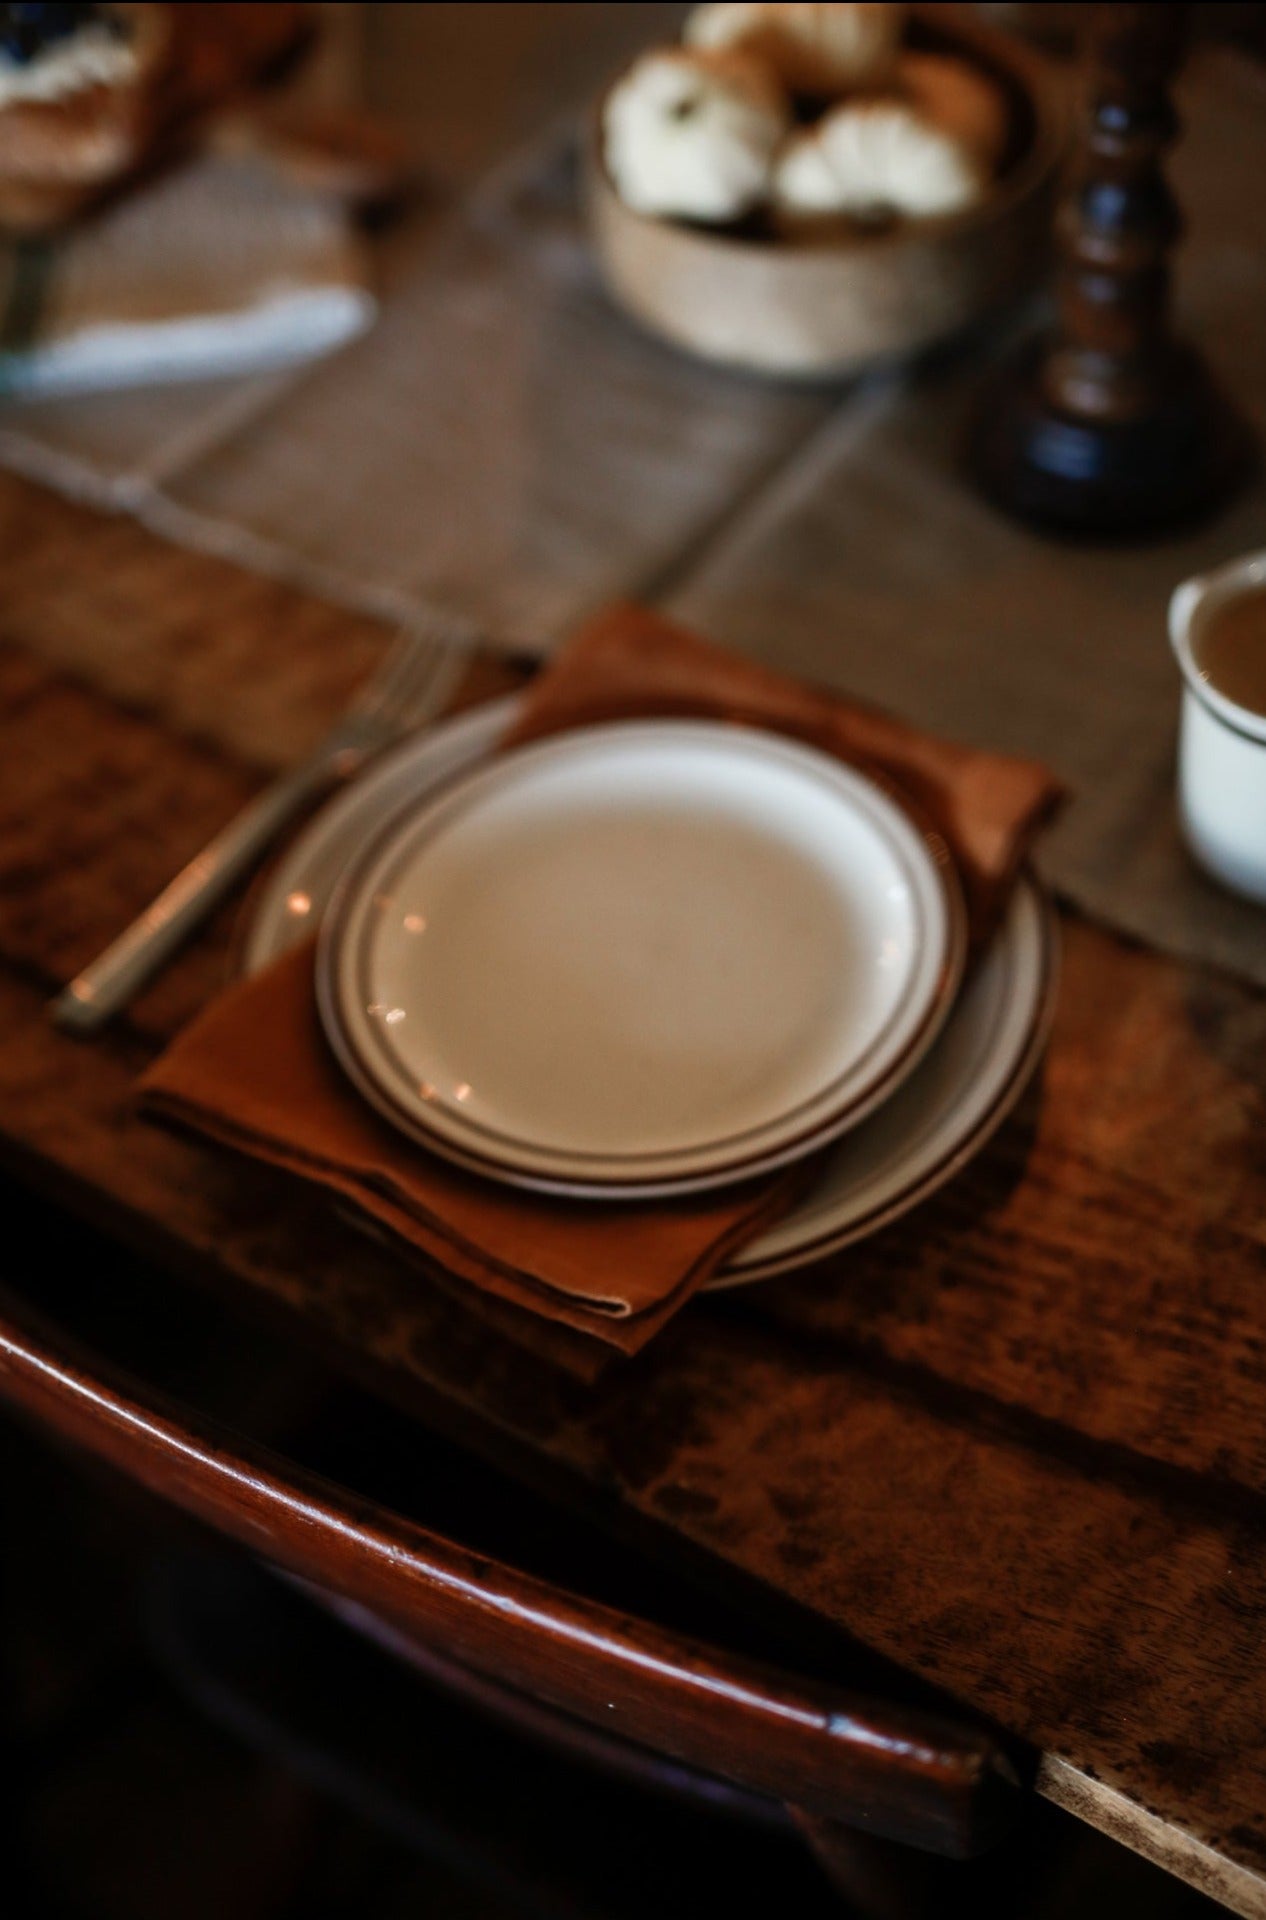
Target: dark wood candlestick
1112	425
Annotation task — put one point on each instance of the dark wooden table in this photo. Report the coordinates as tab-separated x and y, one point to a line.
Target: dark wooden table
1016	1443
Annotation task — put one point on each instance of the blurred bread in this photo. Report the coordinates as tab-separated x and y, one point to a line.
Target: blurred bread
58	154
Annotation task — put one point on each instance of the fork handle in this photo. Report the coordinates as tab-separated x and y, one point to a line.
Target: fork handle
128	963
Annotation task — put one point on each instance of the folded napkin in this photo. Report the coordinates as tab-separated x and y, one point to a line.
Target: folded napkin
254	1072
223	266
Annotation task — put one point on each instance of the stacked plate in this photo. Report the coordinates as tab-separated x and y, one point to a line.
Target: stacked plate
657	958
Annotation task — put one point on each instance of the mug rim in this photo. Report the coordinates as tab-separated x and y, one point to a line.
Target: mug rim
1189	604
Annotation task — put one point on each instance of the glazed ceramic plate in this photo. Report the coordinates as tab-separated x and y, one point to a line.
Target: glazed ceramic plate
641	958
943	1114
931	1127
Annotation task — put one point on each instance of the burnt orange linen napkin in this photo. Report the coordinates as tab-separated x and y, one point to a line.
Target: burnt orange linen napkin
254	1071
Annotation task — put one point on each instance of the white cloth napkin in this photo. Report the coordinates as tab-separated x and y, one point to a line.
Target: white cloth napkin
222	267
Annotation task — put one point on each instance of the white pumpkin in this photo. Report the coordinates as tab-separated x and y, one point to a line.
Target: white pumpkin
871	158
693	135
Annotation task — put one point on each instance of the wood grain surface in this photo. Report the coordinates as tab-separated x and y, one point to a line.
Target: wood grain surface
1017	1442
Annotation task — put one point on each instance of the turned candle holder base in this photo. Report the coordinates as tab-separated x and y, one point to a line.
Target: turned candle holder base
1111	426
1054	467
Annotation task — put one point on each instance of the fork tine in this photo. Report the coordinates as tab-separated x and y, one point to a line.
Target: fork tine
410	651
422	668
431	696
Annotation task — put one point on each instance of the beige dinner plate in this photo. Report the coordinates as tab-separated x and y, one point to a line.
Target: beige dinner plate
931	1127
641	958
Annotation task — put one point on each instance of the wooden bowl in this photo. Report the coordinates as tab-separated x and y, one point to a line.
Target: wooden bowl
807	308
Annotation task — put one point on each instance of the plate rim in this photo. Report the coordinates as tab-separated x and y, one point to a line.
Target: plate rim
889	809
887	1212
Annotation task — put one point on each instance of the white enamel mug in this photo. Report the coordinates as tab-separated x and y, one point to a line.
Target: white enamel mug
1222	746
